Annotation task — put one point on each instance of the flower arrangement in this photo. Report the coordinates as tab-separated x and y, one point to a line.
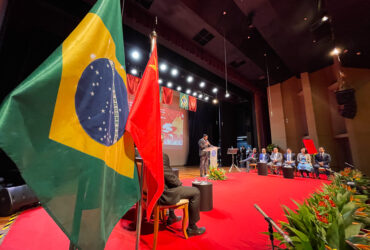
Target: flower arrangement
271	147
216	173
335	218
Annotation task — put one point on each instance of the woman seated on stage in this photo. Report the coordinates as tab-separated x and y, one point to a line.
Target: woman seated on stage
304	162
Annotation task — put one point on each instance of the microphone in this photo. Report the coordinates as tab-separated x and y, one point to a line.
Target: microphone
278	229
350	165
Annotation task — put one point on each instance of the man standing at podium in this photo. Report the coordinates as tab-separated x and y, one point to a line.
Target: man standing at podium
204	156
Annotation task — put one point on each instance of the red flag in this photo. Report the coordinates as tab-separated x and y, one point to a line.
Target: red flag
166	95
192	103
132	84
144	124
310	146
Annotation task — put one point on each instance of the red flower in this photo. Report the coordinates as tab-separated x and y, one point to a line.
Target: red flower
332	203
322	204
326	197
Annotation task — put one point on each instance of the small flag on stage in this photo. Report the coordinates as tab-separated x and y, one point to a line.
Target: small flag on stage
192	103
132	84
64	127
184	101
167	95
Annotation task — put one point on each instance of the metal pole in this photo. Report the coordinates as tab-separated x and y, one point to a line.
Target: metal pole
139	207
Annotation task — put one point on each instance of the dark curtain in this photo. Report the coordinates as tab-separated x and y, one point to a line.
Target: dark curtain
203	121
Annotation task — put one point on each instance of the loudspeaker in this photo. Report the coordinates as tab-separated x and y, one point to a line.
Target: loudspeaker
12	199
347	99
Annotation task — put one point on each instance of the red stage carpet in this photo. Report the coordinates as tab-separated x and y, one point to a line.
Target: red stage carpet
232	224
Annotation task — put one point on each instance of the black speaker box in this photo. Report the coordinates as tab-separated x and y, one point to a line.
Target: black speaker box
348	110
346	96
13	199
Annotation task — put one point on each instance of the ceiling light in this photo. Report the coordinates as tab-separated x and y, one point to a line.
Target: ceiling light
174	72
227	95
195	94
325	18
134	72
188	91
160	81
178	88
358	53
163	67
206	98
200	96
202	84
214	90
135	55
215	101
224	13
169	84
189	79
305	18
335	51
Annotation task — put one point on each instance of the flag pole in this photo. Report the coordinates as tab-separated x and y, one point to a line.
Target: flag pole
153	38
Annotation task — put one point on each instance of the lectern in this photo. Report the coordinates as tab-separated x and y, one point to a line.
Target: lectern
213	155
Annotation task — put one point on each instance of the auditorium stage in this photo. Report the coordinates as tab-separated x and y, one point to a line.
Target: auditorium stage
232	224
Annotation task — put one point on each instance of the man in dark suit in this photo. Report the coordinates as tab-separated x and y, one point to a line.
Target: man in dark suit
289	158
322	160
264	157
204	156
174	191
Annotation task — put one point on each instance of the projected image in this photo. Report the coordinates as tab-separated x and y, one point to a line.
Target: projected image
172	127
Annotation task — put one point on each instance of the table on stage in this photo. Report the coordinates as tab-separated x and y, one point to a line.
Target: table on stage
206	194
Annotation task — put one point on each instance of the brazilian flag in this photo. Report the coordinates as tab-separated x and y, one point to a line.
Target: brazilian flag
184	101
64	127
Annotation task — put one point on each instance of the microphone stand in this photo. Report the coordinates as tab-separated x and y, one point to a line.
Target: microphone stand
272	225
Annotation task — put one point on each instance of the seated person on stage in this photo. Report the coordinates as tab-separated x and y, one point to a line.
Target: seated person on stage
252	158
243	155
322	160
173	192
289	158
276	160
304	162
264	157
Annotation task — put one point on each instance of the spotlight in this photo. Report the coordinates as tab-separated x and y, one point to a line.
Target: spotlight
160	81
174	72
135	55
169	84
202	84
227	95
134	71
195	94
178	88
206	98
200	96
189	79
324	18
358	53
215	101
335	51
188	91
163	67
214	90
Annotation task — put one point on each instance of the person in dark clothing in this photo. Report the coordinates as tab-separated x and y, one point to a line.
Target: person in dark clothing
173	192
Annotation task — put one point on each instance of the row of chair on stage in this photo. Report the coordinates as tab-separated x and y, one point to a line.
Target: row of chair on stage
303	162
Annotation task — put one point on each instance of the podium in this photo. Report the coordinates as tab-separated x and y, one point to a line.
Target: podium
233	152
213	155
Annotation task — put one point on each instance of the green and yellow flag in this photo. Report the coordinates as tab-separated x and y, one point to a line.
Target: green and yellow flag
184	101
64	127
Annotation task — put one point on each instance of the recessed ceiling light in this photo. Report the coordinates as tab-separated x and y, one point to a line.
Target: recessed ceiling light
224	13
195	94
249	37
314	41
134	71
227	95
169	84
174	72
200	96
215	101
214	90
135	55
190	79
305	18
160	81
335	51
178	88
163	67
188	91
358	53
325	18
206	98
202	84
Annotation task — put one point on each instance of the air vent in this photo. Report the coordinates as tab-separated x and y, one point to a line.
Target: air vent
237	63
203	37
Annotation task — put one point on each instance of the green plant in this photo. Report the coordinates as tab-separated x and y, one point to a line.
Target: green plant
216	173
271	147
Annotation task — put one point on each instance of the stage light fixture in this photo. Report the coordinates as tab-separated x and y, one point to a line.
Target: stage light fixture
206	98
215	101
134	71
200	96
195	94
358	53
174	72
325	18
188	91
169	84
335	51
163	67
227	95
190	79
135	55
178	88
202	84
214	90
160	81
